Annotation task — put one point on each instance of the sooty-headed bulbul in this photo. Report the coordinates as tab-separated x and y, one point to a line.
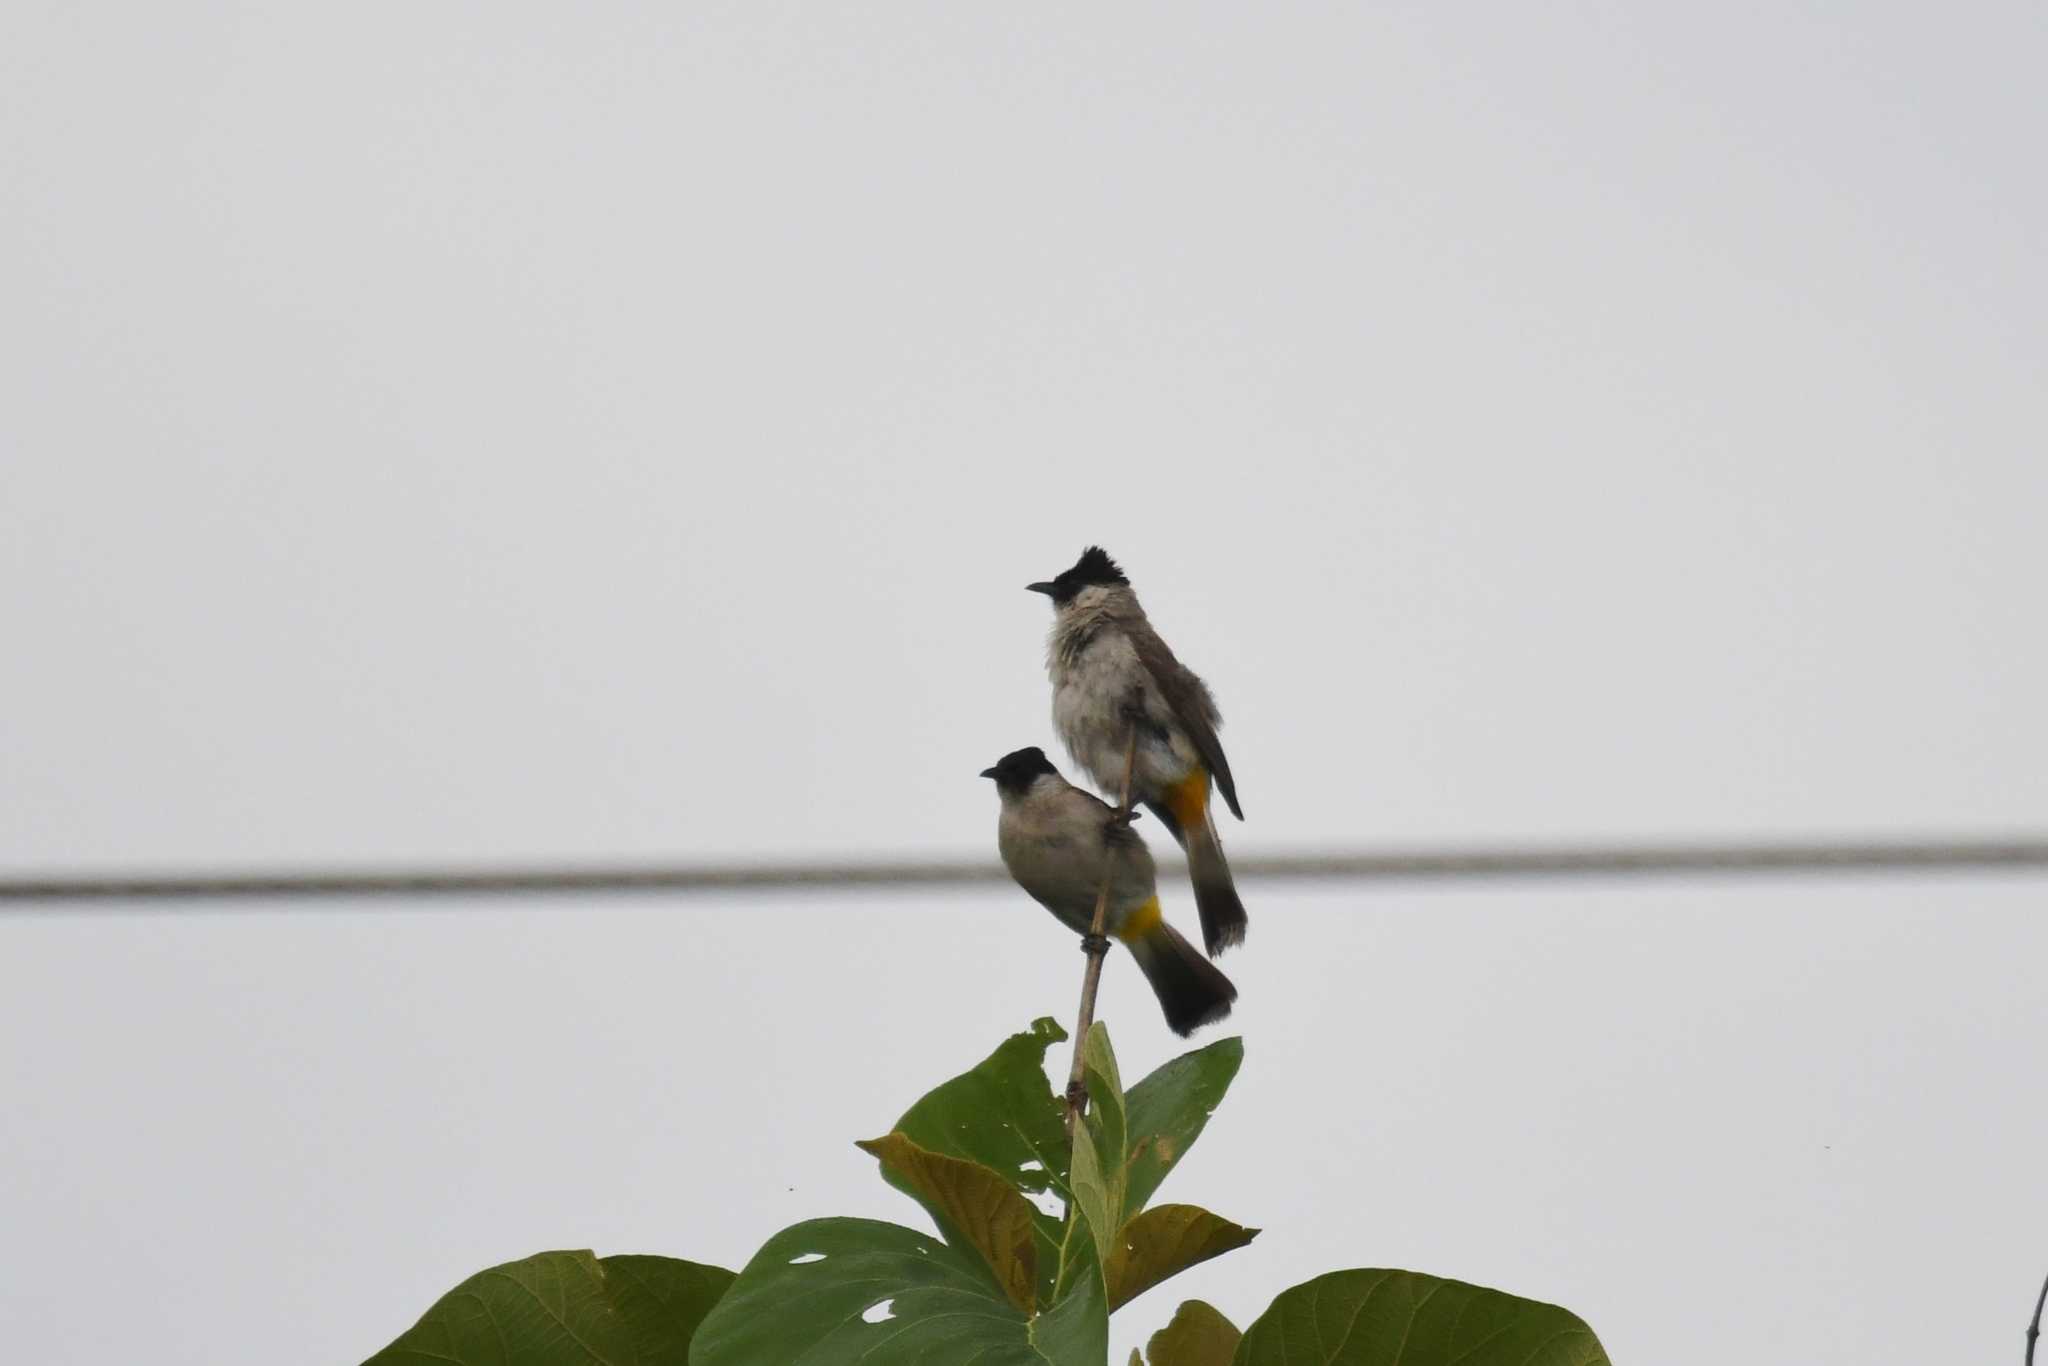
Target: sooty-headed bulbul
1058	843
1108	667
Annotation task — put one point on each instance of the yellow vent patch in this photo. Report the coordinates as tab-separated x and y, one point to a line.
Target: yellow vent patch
1140	922
1188	799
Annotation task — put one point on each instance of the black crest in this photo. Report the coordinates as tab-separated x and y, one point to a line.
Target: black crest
1017	770
1094	567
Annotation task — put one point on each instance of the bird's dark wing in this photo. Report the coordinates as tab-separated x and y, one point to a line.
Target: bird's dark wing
1192	705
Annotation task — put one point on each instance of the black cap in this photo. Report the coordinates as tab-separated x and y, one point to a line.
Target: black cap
1017	770
1094	567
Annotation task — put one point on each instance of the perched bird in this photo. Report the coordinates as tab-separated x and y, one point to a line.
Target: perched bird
1110	668
1058	842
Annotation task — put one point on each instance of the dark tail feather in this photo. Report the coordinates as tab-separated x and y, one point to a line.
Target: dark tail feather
1223	917
1191	990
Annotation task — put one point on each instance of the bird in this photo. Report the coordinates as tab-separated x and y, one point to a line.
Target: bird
1111	670
1059	843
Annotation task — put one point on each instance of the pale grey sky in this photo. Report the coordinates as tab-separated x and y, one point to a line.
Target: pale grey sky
525	432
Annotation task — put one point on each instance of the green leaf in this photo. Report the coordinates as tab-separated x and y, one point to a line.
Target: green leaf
1099	1151
856	1292
1377	1318
556	1308
1076	1330
1094	1224
1108	1122
973	1208
1197	1336
1168	1109
1003	1115
1165	1241
663	1300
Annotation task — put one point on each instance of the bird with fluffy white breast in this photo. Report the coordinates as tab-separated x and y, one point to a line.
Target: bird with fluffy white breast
1110	671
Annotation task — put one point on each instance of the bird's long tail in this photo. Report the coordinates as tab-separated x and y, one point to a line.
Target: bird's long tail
1192	991
1185	813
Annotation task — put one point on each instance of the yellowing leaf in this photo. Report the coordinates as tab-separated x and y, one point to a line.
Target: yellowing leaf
1165	1241
1197	1336
973	1205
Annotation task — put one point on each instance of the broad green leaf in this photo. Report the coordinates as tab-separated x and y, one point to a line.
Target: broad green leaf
1378	1318
1136	1360
1003	1115
857	1292
973	1208
836	1292
664	1300
1164	1241
556	1308
1168	1109
1197	1336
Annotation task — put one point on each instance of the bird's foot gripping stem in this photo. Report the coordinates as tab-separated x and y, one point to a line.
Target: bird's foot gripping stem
1094	945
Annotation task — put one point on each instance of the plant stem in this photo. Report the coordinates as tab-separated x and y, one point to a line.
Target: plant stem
1094	945
2034	1328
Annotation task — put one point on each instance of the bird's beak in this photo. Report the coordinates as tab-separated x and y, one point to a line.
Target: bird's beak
988	773
1044	588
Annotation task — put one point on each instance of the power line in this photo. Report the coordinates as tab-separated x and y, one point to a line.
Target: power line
2010	854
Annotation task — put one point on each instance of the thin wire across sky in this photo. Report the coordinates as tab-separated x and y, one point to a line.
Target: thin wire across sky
2011	854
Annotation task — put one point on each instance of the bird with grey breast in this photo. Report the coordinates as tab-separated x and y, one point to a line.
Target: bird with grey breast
1059	843
1110	670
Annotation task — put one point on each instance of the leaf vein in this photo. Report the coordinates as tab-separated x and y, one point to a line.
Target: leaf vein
549	1310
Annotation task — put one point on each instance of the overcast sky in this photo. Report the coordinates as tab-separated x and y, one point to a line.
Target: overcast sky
546	433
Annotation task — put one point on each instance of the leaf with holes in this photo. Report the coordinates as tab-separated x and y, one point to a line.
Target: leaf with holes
1198	1335
1377	1318
1164	1241
1002	1114
560	1307
857	1292
973	1208
1168	1109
